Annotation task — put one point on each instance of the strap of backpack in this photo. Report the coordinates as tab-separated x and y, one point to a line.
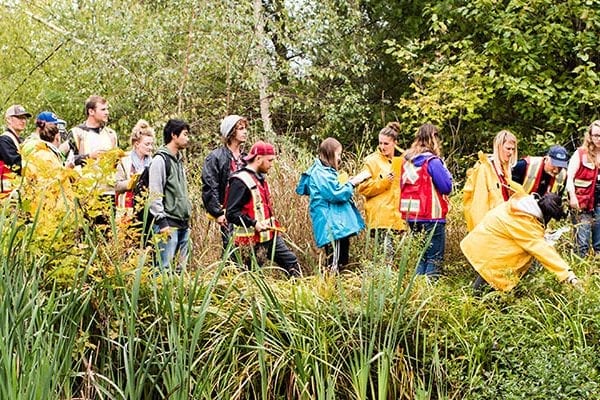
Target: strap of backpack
167	164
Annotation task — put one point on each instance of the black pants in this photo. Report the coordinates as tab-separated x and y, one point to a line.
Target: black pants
274	249
226	232
338	253
480	286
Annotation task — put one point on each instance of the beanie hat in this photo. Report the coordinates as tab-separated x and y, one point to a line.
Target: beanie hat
228	123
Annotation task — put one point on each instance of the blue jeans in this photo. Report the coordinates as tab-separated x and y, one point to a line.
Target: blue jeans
177	243
431	260
587	231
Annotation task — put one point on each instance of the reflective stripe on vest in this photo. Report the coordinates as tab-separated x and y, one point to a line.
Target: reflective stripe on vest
7	175
419	199
247	235
533	176
585	181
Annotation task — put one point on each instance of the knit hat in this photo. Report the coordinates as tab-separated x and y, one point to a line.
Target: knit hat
16	111
260	148
228	123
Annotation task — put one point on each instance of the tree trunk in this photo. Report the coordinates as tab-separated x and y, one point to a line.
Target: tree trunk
261	62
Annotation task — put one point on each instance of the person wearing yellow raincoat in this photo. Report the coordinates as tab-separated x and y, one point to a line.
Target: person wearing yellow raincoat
48	188
382	190
501	247
489	182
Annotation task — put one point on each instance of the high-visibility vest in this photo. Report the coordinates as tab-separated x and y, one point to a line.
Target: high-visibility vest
419	199
87	141
585	181
533	176
124	201
7	174
258	208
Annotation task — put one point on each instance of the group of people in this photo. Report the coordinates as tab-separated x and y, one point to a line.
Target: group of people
507	201
43	155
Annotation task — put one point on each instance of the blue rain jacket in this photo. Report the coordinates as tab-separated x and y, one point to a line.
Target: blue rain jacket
332	210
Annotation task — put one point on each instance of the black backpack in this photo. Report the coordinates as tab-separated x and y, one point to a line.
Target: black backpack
140	190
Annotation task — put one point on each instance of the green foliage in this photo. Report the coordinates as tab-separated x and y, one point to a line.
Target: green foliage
84	314
527	66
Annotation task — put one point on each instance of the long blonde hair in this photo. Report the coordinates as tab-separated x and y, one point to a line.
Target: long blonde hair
502	137
588	143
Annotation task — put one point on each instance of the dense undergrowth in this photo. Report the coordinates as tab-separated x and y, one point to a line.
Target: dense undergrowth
85	316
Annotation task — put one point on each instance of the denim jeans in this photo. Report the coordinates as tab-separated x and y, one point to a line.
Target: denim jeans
430	263
177	243
587	231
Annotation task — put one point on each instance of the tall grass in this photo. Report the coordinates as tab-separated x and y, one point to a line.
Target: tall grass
83	315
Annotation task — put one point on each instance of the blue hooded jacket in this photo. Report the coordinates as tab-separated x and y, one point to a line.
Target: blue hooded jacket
332	210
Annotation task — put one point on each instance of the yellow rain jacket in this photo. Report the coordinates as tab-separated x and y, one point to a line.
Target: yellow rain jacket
382	196
502	245
482	191
49	180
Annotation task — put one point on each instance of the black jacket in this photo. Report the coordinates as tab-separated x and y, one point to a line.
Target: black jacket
215	177
9	153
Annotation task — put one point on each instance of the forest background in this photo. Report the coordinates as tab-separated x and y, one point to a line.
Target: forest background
309	69
89	321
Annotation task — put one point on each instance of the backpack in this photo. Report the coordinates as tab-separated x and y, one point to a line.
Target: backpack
140	190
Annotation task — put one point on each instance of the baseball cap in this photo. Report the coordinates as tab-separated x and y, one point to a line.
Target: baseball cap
228	123
260	148
47	116
16	110
558	156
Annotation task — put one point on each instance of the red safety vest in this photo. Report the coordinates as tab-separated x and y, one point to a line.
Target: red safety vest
7	174
258	208
585	181
419	199
533	175
125	199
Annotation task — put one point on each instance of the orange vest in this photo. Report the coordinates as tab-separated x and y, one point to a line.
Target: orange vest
7	175
258	208
533	175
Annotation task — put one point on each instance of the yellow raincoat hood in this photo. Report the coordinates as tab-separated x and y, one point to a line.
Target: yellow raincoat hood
483	190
